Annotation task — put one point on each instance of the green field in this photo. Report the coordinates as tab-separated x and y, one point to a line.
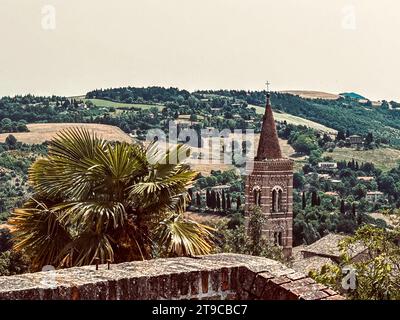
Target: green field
281	116
383	158
121	105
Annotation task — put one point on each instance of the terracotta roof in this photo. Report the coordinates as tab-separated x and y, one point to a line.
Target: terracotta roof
330	193
328	246
313	263
366	178
268	147
374	192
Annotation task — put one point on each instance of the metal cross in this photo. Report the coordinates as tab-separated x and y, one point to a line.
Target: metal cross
267	83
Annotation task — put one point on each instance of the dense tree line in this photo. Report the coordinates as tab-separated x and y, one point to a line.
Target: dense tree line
342	114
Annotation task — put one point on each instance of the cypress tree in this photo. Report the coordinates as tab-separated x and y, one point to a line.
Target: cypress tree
314	198
238	202
212	199
198	200
353	210
304	201
359	218
342	207
218	204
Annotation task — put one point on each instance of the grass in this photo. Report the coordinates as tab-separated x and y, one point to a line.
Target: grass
296	120
313	94
41	132
383	158
120	105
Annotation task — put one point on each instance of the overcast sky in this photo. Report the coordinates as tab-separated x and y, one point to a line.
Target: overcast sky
326	45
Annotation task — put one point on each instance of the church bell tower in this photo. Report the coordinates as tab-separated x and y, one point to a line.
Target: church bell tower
269	185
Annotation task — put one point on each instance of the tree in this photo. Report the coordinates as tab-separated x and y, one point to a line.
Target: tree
377	273
223	201
314	200
228	202
340	136
298	180
342	207
305	143
304	201
353	210
213	199
198	200
11	140
256	222
95	199
218	202
238	203
13	262
360	191
369	139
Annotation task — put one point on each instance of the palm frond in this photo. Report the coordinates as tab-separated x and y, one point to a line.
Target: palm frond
184	237
86	248
38	231
96	214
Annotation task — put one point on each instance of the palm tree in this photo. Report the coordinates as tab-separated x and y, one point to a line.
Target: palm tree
98	200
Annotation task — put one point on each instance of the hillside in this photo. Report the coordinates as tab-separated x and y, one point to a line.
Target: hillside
41	132
344	114
282	116
121	105
312	94
383	158
352	95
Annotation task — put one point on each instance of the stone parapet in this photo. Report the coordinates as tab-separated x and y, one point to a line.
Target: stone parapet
212	277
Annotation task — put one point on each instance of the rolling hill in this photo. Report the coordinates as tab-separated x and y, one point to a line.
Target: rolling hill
123	105
283	116
41	132
383	158
313	94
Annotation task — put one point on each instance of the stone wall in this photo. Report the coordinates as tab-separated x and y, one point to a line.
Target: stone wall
212	277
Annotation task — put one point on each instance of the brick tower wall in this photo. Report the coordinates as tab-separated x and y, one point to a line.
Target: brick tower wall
267	175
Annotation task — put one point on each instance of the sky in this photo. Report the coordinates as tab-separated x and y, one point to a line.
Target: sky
71	47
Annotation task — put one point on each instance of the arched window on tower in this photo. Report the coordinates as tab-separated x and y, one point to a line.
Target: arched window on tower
278	238
280	200
257	196
274	197
277	196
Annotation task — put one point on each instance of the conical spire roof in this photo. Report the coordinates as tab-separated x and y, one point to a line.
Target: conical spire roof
268	146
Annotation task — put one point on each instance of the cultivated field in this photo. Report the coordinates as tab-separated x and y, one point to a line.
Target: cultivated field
121	105
41	132
281	116
313	94
383	158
